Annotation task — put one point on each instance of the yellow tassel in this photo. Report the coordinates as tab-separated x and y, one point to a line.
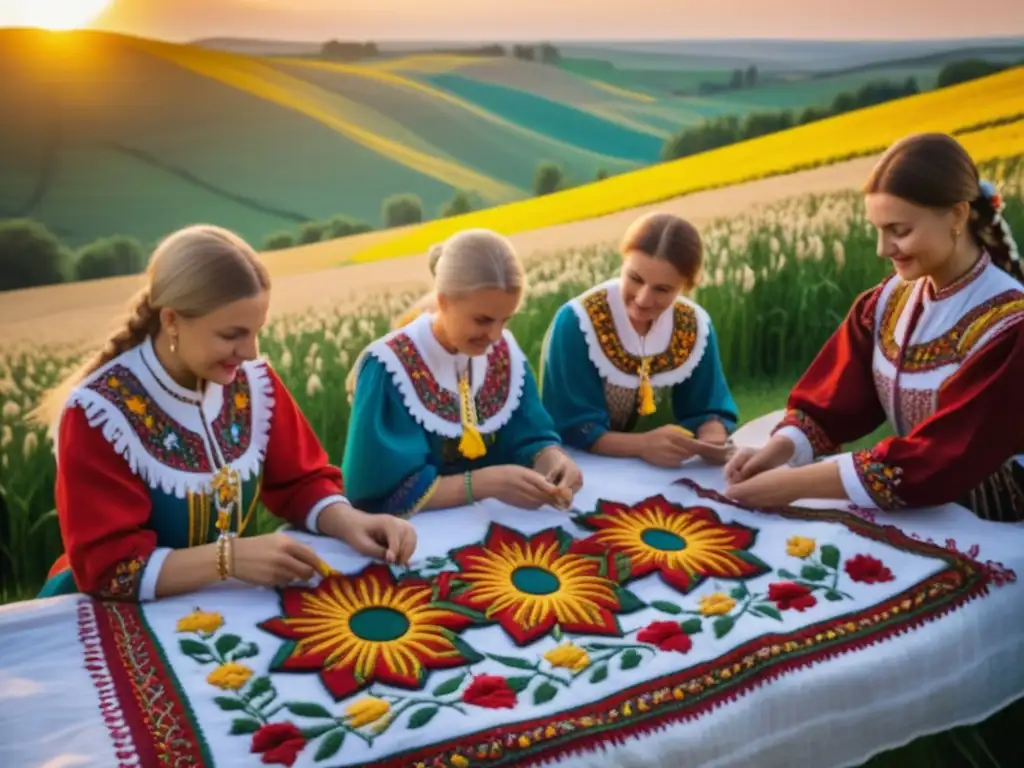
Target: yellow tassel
471	445
647	406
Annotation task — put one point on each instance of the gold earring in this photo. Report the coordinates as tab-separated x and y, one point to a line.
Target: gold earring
956	234
174	344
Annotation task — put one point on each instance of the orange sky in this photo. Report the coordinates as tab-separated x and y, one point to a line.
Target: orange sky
565	19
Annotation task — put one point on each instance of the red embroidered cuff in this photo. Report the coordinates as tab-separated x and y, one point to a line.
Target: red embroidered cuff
879	479
816	436
123	580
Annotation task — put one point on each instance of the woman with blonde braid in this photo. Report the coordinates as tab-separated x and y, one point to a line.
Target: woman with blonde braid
937	350
169	436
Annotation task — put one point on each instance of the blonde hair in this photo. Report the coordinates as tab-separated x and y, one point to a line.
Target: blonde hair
475	260
193	271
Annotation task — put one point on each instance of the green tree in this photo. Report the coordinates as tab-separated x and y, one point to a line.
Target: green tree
965	70
343	226
279	241
30	255
312	232
461	203
110	256
547	178
401	210
601	174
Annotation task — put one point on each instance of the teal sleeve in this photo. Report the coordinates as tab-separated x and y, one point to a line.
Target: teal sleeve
571	388
388	465
531	428
705	395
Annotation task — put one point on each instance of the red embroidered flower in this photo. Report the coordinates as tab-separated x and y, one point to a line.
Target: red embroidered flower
788	594
868	570
443	581
490	692
279	743
667	635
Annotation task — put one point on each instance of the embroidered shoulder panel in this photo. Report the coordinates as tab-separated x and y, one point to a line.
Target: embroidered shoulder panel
680	348
954	345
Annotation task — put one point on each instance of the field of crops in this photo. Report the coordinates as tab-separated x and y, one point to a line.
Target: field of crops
777	281
866	131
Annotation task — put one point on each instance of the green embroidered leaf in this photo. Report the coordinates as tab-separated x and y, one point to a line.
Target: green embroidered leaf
599	674
307	709
565	539
739	593
451	685
242	725
623	567
830	556
245	651
437	562
666	607
813	573
752	560
767	610
833	596
518	683
259	686
286	650
422	716
457	587
557	632
469	613
227	643
786	574
511	661
692	626
631	659
723	625
229	704
330	745
628	602
465	650
544	693
195	649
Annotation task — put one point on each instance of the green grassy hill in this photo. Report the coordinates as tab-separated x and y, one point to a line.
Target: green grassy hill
106	134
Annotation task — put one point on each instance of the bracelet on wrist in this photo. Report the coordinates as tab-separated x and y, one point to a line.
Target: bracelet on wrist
468	482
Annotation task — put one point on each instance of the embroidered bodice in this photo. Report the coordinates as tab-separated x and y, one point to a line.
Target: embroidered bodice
426	376
172	437
675	345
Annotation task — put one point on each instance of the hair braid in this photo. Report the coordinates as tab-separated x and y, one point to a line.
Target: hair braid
992	231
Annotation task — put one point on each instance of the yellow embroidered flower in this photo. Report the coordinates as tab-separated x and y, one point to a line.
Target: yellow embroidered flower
200	621
459	761
229	677
366	711
568	656
136	405
800	547
241	400
114	382
716	604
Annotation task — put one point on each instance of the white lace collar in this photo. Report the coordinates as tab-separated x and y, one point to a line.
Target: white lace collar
677	338
158	427
426	375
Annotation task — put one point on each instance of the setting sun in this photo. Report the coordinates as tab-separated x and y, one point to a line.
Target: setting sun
56	15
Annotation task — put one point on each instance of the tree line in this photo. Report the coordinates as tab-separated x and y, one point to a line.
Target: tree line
545	53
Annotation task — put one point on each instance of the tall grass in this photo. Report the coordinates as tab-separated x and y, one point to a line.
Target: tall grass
777	283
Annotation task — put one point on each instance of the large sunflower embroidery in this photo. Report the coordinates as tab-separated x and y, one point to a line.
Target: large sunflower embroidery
686	545
366	628
531	584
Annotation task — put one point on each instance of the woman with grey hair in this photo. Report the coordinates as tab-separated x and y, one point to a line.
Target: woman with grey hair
445	409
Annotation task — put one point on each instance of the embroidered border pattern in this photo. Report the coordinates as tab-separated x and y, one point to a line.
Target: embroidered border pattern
953	345
879	479
169	733
820	442
149	718
684	336
233	425
123	579
490	398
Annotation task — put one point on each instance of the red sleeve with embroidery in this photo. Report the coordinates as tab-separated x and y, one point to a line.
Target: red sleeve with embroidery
297	473
102	508
978	427
835	402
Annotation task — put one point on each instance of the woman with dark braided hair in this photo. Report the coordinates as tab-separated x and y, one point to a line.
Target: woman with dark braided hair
168	437
937	350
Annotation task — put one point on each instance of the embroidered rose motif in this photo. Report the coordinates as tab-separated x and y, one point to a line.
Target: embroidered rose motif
798	546
231	676
568	656
666	635
200	621
279	743
490	692
867	570
716	604
788	594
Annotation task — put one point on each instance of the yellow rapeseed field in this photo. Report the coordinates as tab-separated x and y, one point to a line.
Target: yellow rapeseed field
863	132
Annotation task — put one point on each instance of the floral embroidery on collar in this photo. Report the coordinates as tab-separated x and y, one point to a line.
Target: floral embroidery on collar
681	344
443	402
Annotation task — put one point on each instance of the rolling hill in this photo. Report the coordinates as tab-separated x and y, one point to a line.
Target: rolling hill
108	134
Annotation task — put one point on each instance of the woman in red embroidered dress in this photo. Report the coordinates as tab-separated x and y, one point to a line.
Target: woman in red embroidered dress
937	350
166	440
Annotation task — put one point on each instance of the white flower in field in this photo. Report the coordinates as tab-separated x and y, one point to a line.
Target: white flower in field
3	461
313	385
774	245
6	436
839	253
749	278
11	410
286	360
30	445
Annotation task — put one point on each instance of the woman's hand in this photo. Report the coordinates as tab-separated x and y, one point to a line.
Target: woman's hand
518	486
272	560
774	488
560	470
748	462
667	446
383	537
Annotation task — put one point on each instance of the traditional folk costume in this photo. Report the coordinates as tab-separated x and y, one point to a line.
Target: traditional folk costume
146	466
598	374
945	370
420	413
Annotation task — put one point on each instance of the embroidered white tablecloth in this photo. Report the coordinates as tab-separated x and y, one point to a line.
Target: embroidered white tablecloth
657	624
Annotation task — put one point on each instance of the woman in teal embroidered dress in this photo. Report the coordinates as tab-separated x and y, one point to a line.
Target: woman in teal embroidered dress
169	437
609	349
445	409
